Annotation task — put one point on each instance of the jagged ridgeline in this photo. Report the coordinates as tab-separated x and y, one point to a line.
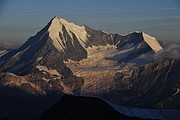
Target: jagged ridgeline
61	40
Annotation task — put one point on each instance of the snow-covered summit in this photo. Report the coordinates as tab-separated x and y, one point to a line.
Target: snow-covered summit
58	25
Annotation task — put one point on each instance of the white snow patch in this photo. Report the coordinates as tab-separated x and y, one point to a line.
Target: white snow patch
3	52
45	79
152	42
131	33
17	54
139	45
105	32
38	59
138	31
95	49
176	92
99	53
48	70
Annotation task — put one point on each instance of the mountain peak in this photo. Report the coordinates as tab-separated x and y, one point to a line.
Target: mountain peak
60	26
58	21
56	17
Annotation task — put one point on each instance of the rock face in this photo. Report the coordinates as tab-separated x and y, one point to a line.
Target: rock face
159	84
83	108
154	85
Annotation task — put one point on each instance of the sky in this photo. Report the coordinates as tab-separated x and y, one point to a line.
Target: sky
21	19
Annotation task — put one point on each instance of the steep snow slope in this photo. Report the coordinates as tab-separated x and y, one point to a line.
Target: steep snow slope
56	32
152	42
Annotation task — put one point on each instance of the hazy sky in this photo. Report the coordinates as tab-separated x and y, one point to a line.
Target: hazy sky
20	19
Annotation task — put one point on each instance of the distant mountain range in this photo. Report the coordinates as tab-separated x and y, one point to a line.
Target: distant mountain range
65	58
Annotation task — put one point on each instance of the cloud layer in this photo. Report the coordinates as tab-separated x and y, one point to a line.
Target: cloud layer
171	51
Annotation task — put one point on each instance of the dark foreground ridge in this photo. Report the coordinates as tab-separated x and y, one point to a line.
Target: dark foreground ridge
83	108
